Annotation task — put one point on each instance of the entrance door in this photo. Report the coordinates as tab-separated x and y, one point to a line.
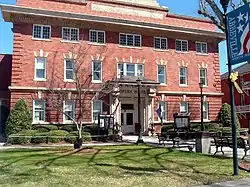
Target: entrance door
127	118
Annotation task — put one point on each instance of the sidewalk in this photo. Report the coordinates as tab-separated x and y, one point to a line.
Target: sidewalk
237	183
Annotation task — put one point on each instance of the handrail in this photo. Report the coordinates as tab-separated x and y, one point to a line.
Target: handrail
242	109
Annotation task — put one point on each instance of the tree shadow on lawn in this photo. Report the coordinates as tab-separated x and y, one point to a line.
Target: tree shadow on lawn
145	160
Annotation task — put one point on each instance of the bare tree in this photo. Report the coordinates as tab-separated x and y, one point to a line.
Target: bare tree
80	90
213	10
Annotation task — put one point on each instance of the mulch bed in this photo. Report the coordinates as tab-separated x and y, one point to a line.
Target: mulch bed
244	165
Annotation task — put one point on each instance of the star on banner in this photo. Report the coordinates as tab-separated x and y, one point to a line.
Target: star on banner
240	28
240	17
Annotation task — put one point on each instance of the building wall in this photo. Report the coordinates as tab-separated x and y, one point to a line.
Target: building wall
26	48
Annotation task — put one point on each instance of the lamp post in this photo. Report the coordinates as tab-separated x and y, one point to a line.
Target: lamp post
201	87
224	4
139	140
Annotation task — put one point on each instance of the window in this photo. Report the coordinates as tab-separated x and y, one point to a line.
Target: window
128	69
201	47
97	36
41	31
130	40
183	76
70	34
160	43
69	111
97	109
184	107
181	45
162	74
38	111
203	76
163	106
97	71
205	110
40	68
69	74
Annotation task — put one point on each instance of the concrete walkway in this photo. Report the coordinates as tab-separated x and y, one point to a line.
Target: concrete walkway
237	183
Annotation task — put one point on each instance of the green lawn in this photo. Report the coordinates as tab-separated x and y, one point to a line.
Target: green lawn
117	166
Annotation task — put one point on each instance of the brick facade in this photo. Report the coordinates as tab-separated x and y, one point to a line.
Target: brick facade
111	53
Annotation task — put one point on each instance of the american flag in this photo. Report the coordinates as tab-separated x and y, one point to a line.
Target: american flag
243	31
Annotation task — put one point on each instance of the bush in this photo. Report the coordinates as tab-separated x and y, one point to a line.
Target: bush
19	118
45	128
92	129
72	137
166	128
212	126
23	137
225	116
40	138
69	128
227	131
56	136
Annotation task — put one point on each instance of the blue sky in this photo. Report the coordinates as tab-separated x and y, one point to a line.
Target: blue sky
6	36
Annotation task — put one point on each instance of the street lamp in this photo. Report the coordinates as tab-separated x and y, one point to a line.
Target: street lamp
201	87
139	82
224	4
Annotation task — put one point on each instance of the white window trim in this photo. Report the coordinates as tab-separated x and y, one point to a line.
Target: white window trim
92	110
64	40
91	30
187	105
125	68
166	114
68	80
33	112
41	32
201	47
206	80
45	68
160	43
165	77
181	46
127	41
96	81
74	111
180	76
207	110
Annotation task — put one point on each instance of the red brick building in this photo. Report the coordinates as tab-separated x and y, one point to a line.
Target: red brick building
171	53
242	101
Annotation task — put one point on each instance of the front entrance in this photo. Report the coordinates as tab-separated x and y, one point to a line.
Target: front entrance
127	118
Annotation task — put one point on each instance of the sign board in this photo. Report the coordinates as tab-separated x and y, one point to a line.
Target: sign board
238	34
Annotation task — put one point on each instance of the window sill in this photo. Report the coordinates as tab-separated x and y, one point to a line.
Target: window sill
164	121
40	80
40	39
202	54
68	41
130	47
160	50
98	44
70	81
96	82
204	86
68	122
163	84
40	123
183	85
183	52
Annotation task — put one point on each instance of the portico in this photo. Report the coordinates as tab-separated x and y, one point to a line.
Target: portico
125	104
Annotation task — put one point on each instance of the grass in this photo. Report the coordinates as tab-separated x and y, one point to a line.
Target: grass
111	166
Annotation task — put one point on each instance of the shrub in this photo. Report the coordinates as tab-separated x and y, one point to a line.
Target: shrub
92	129
227	131
19	118
225	116
166	128
40	137
56	136
23	137
69	128
72	137
212	126
45	128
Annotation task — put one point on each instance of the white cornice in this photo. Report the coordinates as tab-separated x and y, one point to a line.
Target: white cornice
10	9
27	88
190	93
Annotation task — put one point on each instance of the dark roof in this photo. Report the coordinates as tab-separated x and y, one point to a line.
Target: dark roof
243	69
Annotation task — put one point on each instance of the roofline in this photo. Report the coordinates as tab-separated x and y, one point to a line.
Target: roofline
102	19
225	75
189	18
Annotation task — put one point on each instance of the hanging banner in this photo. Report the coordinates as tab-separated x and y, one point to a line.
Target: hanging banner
238	32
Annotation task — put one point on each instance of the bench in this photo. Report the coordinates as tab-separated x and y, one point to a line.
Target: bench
226	141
